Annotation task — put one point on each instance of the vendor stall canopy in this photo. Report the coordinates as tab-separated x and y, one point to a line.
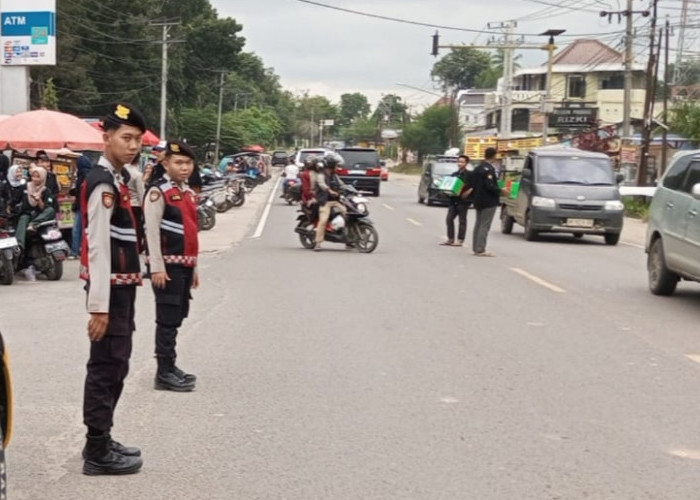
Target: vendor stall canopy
46	129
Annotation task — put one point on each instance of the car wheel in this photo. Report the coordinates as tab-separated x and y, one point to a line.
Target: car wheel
530	234
662	281
506	222
367	238
612	238
579	235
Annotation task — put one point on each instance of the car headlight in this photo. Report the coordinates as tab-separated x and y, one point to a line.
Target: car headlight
362	208
615	205
538	201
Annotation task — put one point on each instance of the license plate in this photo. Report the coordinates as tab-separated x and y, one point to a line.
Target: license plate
579	222
357	172
8	242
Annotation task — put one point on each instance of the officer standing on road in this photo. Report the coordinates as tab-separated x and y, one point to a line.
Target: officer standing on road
170	210
110	266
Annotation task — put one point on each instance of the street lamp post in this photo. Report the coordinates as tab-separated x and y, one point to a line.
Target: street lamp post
550	48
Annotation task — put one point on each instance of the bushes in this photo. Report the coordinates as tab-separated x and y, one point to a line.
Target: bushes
637	207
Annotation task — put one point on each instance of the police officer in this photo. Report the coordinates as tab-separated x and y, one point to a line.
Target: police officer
170	210
110	266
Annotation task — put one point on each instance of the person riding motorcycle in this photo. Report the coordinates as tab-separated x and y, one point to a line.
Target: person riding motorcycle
291	173
308	177
328	187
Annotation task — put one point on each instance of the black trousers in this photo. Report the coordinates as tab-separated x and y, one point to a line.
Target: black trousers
108	365
172	307
454	210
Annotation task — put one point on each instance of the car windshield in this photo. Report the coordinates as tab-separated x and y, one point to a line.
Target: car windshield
279	154
444	168
359	159
574	170
305	154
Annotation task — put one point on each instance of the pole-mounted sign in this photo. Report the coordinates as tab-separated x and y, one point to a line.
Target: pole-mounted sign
28	32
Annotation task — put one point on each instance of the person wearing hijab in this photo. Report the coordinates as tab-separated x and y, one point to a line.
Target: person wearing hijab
18	184
4	183
38	204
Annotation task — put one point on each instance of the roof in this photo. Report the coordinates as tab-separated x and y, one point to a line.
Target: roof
588	51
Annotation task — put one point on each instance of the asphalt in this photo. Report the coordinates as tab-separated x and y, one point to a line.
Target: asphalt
418	371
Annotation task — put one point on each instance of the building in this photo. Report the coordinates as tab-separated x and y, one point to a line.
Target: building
586	74
472	112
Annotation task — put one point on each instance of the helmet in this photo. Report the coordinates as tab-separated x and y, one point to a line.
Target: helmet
310	162
333	160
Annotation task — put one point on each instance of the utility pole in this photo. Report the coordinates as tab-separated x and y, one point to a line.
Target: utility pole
218	118
648	103
166	25
627	98
666	91
507	87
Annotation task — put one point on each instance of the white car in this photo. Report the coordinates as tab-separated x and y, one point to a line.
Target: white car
301	155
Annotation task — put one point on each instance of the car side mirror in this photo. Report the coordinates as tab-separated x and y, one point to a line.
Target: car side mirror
619	178
695	192
527	174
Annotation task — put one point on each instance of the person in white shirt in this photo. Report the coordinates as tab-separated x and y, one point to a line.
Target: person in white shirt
291	172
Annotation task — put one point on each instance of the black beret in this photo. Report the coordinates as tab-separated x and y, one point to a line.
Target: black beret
124	114
178	148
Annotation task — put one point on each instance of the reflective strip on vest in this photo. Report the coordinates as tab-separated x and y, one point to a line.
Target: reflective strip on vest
183	260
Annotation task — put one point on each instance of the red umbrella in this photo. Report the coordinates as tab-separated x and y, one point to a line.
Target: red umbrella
148	139
45	129
255	148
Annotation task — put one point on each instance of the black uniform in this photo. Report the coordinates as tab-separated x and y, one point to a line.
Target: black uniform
458	208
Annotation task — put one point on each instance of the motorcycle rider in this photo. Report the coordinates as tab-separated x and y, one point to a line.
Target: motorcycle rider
328	187
291	173
308	178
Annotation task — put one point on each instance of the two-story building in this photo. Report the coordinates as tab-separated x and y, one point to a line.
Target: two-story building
472	112
587	73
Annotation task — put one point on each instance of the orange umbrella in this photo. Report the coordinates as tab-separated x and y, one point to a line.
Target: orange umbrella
45	129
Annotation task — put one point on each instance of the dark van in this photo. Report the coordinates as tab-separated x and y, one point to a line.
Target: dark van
361	168
566	190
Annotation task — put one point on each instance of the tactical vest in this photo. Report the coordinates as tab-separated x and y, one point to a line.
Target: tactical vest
179	243
125	268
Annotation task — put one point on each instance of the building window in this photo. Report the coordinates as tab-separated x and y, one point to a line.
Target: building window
613	81
577	87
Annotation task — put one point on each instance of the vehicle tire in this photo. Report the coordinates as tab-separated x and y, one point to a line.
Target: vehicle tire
208	219
307	241
376	191
7	271
612	238
662	281
428	201
530	234
367	238
222	207
248	185
239	199
506	222
578	236
55	271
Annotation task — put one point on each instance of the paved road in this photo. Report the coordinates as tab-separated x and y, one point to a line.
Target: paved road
416	372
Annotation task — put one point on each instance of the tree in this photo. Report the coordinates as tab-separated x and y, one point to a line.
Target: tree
390	112
49	98
685	120
461	68
352	107
429	134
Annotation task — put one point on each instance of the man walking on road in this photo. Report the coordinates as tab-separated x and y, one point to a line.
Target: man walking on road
486	200
170	212
110	266
459	205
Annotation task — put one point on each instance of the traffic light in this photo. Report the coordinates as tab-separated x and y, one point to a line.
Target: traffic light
436	44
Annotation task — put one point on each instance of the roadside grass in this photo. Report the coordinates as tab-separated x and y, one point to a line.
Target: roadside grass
637	207
408	168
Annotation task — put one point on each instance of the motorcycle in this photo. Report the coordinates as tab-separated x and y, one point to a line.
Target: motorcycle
355	229
292	191
9	251
206	213
46	250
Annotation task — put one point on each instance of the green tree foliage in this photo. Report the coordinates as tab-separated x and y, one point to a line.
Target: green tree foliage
49	98
685	120
361	130
352	107
390	112
429	133
461	68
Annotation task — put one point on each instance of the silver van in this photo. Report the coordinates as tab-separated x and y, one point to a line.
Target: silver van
673	233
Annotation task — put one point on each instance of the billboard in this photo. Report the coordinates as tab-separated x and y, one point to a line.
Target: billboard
28	32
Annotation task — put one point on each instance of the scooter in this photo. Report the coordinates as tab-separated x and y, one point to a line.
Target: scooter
46	250
292	191
9	250
355	229
206	213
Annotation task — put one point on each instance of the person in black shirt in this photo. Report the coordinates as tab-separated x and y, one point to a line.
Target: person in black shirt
459	205
486	200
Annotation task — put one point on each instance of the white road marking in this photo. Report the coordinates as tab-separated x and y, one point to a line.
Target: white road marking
388	207
685	453
693	357
449	400
537	280
632	245
266	213
414	222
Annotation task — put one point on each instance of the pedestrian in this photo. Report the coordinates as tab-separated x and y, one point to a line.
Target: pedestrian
84	164
18	185
110	266
486	198
459	204
170	210
43	161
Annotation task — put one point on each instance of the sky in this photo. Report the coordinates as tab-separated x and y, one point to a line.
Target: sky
329	52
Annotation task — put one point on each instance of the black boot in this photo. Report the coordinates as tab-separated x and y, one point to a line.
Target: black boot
168	380
101	460
187	377
117	447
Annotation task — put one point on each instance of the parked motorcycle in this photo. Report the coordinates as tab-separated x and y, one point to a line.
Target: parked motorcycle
292	191
9	250
46	250
206	213
355	229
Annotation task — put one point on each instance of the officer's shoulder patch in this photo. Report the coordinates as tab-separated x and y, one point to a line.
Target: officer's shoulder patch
175	197
155	195
108	200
